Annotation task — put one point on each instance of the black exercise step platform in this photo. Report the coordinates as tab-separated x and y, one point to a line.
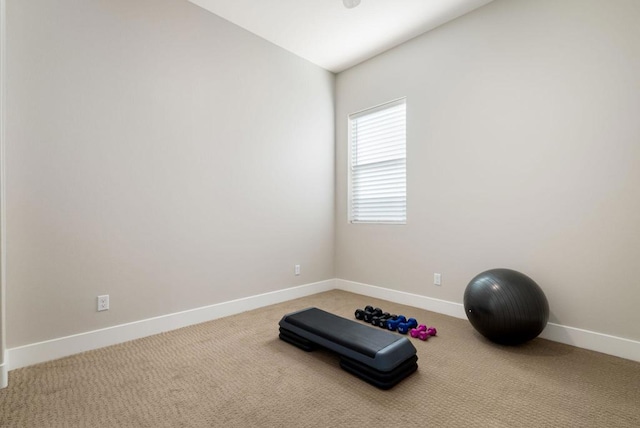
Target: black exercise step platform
377	356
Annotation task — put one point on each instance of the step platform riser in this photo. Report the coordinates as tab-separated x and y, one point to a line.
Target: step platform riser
377	356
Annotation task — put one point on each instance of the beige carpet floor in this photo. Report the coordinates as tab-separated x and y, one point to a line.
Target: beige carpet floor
235	372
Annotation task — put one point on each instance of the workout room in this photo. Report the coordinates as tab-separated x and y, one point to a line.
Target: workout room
319	213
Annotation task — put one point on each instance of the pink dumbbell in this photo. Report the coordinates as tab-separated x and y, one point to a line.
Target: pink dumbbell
416	331
423	332
424	335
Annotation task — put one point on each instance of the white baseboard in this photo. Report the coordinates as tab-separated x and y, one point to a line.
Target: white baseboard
417	301
594	341
64	346
4	371
61	347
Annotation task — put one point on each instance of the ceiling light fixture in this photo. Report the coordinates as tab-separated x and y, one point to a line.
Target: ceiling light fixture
349	4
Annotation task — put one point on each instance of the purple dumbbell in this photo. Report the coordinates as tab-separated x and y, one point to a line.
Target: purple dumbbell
416	331
424	334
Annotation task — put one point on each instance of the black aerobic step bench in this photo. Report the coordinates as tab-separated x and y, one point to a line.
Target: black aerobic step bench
377	356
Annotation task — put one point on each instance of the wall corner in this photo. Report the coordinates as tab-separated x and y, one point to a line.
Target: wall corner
4	371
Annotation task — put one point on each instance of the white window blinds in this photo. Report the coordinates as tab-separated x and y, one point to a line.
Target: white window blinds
378	164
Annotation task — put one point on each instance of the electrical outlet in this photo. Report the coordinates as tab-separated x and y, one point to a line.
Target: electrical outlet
297	270
103	303
437	279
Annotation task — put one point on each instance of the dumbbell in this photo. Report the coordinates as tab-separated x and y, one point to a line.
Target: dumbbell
382	322
404	327
380	318
416	331
424	335
360	312
393	324
368	315
423	332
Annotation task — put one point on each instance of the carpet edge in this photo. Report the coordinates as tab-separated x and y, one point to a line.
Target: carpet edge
594	341
52	349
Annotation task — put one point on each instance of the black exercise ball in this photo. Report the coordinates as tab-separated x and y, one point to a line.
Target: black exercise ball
506	306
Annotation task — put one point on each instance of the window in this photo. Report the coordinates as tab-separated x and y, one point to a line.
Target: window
378	164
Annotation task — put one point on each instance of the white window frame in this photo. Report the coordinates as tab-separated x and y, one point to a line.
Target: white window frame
401	189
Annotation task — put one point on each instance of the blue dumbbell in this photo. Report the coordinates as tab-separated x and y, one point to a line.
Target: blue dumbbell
393	324
382	322
404	327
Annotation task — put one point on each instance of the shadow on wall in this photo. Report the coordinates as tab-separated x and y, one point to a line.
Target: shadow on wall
534	348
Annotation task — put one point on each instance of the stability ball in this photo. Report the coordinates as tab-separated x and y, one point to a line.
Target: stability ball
506	306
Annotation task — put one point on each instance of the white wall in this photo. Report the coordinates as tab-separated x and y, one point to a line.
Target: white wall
161	155
523	152
4	372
